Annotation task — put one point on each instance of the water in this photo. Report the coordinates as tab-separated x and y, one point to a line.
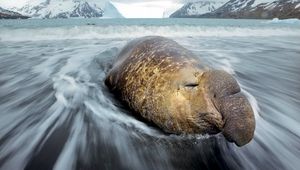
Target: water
56	112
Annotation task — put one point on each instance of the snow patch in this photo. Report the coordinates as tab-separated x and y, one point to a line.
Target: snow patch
257	2
202	7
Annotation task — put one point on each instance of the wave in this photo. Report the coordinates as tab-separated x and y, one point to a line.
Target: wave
54	102
119	32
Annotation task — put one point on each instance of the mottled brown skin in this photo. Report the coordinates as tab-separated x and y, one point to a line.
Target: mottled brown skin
166	84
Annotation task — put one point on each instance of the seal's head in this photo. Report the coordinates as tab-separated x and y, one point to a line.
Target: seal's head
212	102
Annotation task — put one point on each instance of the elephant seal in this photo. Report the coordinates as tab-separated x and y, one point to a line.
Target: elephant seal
168	85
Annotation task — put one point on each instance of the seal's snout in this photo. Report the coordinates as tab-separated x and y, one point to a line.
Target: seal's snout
238	116
239	123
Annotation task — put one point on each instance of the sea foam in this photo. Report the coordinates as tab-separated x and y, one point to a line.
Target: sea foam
119	32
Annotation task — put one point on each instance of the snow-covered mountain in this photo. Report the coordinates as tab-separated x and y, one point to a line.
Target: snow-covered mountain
62	8
262	9
255	9
238	5
194	9
6	14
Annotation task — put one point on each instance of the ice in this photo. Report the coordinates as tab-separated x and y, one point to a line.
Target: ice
110	11
284	21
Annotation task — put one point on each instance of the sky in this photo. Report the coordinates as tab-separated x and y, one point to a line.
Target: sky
131	8
146	9
149	8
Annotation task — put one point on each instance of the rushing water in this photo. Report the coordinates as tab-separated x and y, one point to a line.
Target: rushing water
56	113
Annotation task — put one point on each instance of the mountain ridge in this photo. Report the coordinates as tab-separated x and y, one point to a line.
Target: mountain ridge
7	14
66	9
193	9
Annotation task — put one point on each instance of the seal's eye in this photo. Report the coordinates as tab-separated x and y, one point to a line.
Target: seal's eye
191	85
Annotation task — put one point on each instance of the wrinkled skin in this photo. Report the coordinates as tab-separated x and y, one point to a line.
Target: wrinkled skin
167	85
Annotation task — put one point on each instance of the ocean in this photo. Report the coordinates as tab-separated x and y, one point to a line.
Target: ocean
56	113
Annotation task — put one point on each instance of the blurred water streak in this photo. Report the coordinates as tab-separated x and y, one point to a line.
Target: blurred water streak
56	112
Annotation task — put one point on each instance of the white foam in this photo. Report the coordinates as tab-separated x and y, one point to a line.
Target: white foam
68	90
94	32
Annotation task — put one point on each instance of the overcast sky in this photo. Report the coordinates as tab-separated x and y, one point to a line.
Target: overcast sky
149	8
146	8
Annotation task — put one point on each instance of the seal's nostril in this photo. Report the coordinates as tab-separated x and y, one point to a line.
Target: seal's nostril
215	95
